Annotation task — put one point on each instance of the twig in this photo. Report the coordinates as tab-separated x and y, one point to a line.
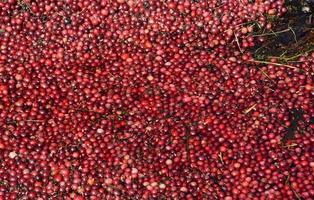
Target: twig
237	41
250	109
272	63
290	59
294	35
216	181
220	155
250	23
25	6
187	146
34	120
83	10
272	33
290	145
265	74
87	110
295	193
287	182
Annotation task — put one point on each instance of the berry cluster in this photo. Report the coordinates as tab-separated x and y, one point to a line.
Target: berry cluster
160	99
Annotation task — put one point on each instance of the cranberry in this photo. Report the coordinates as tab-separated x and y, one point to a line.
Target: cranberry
133	99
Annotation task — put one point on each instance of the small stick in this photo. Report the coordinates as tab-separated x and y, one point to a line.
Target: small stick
294	35
272	33
265	74
220	155
272	63
250	109
290	145
295	193
187	146
85	8
287	182
288	59
87	110
237	41
34	120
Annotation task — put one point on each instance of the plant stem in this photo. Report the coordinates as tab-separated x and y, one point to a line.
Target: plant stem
272	63
272	33
237	41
